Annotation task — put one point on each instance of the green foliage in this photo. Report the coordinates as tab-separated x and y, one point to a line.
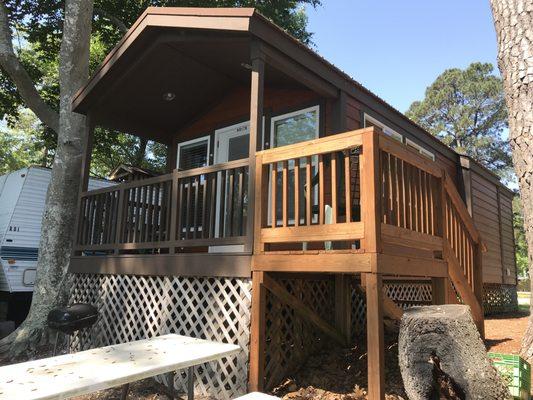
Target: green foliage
20	145
522	261
38	27
466	110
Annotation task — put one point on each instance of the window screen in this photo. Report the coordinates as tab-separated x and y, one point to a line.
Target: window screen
193	155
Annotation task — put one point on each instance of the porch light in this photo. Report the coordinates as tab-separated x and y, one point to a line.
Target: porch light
169	96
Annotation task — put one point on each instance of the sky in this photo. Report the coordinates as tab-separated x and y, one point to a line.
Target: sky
396	48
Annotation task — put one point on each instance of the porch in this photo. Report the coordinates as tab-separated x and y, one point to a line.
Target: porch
353	204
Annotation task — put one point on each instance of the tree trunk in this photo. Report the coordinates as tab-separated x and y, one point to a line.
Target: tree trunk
513	20
61	200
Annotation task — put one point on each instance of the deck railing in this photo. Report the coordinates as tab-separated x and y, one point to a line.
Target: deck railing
358	191
196	208
307	195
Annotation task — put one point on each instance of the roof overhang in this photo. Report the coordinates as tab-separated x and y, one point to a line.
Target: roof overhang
197	54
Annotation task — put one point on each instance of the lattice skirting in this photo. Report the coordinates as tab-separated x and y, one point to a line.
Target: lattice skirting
405	294
137	307
499	298
289	339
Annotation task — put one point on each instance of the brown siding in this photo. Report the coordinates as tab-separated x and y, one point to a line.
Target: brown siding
354	110
235	108
486	217
353	114
507	238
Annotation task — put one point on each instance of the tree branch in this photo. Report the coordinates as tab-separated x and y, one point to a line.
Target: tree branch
20	77
114	20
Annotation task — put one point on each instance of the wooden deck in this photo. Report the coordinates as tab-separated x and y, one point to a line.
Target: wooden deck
353	203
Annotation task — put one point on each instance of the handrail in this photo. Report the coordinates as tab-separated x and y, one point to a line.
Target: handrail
328	144
212	168
166	177
455	197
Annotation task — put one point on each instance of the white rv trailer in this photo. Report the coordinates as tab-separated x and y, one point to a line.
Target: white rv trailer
22	198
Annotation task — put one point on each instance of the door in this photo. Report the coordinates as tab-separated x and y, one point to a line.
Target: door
231	143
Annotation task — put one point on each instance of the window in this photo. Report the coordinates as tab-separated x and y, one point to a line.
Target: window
291	128
193	154
420	149
369	121
295	127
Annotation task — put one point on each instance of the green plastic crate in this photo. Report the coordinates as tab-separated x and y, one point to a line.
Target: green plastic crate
516	372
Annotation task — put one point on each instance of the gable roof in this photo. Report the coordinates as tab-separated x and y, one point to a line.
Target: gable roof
250	22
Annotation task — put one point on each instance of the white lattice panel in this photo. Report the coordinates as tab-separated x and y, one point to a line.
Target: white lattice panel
136	307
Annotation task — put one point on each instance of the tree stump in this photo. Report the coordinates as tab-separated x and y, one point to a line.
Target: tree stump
442	354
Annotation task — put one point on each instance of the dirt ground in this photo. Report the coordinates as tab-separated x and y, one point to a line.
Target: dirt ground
340	374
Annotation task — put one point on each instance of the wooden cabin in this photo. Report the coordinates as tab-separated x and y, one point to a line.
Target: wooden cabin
298	208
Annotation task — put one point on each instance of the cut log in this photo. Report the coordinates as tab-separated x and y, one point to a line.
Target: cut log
442	354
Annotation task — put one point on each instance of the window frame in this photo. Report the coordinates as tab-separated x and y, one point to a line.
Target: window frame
192	141
276	118
395	135
426	153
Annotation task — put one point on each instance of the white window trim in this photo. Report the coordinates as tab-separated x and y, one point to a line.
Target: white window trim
192	141
273	120
387	130
421	150
221	131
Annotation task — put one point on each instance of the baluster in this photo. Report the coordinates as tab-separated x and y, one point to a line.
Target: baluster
333	168
285	194
273	195
321	204
347	186
195	205
308	191
296	192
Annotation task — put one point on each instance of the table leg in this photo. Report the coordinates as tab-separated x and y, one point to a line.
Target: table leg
190	384
170	385
125	390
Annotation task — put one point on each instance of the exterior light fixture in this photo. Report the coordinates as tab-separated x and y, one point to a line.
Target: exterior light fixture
169	96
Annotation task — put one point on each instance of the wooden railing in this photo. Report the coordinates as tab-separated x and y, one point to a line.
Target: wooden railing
307	195
196	208
421	208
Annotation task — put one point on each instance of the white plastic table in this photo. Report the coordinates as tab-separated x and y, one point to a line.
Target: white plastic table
88	371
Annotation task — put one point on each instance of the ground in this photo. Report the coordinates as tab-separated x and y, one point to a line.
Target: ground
340	374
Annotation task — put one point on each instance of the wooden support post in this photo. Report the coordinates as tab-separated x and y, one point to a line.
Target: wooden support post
343	305
370	192
256	130
375	339
439	292
257	333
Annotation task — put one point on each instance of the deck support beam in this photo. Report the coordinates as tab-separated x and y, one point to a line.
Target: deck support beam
256	379
375	338
343	305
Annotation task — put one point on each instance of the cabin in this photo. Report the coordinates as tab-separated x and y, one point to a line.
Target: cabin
298	208
22	199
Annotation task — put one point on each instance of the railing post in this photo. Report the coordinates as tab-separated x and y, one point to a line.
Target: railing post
261	201
478	273
256	128
371	191
444	293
